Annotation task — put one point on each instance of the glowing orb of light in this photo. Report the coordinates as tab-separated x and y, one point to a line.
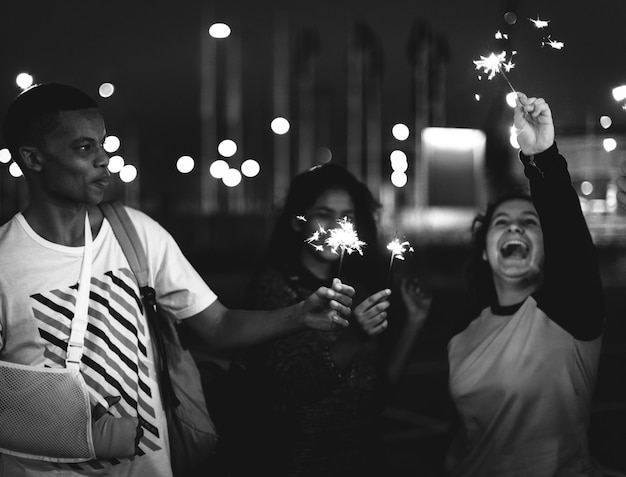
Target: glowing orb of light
399	161
5	155
609	144
250	168
586	187
605	122
280	125
116	163
399	179
400	131
231	178
513	138
619	93
111	143
510	18
511	99
218	168
185	164
219	30
227	148
324	154
128	173
106	90
24	80
15	170
477	97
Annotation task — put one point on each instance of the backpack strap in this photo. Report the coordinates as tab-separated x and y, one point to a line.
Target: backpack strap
128	239
163	331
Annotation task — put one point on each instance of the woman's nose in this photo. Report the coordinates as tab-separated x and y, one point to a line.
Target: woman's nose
516	227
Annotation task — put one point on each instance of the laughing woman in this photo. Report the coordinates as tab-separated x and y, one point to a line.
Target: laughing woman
522	373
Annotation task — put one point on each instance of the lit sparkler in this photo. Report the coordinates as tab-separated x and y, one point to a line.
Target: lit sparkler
397	249
539	23
341	240
344	238
494	64
557	45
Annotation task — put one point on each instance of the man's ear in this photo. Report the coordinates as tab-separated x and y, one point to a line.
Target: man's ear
485	255
31	158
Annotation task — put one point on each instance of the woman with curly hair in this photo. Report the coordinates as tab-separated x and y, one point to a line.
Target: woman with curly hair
522	372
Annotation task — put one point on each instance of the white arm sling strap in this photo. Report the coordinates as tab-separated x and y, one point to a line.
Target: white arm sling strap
45	413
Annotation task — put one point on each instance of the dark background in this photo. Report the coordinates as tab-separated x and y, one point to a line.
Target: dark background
151	51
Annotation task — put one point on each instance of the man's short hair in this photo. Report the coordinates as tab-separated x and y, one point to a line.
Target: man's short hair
34	113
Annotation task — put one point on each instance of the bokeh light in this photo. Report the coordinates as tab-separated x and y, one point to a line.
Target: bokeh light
619	93
511	98
227	148
15	170
586	187
24	80
324	154
128	173
609	144
232	177
116	163
106	90
5	155
219	30
250	168
513	138
111	143
400	131
398	179
399	161
605	122
510	18
185	164
218	168
280	125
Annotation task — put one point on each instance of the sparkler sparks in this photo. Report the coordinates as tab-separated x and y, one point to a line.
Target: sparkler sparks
397	249
342	239
494	64
557	45
539	23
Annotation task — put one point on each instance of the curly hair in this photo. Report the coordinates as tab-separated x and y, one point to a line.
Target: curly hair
478	274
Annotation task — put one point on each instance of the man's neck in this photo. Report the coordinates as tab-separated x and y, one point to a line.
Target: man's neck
63	226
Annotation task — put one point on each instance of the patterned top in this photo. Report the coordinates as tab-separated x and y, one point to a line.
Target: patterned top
325	423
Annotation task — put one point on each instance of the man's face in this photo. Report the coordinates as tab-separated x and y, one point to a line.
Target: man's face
73	162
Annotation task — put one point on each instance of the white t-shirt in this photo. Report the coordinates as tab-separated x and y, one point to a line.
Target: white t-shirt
523	388
37	297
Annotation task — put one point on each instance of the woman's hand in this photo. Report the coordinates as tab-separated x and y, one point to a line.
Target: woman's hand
533	123
416	299
327	308
371	314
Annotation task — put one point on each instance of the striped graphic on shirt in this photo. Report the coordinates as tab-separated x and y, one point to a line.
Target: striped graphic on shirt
115	354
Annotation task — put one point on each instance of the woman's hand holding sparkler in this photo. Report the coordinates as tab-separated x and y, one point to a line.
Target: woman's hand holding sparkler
371	314
328	307
533	123
416	299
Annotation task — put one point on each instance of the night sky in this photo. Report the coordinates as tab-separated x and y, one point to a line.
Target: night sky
150	51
